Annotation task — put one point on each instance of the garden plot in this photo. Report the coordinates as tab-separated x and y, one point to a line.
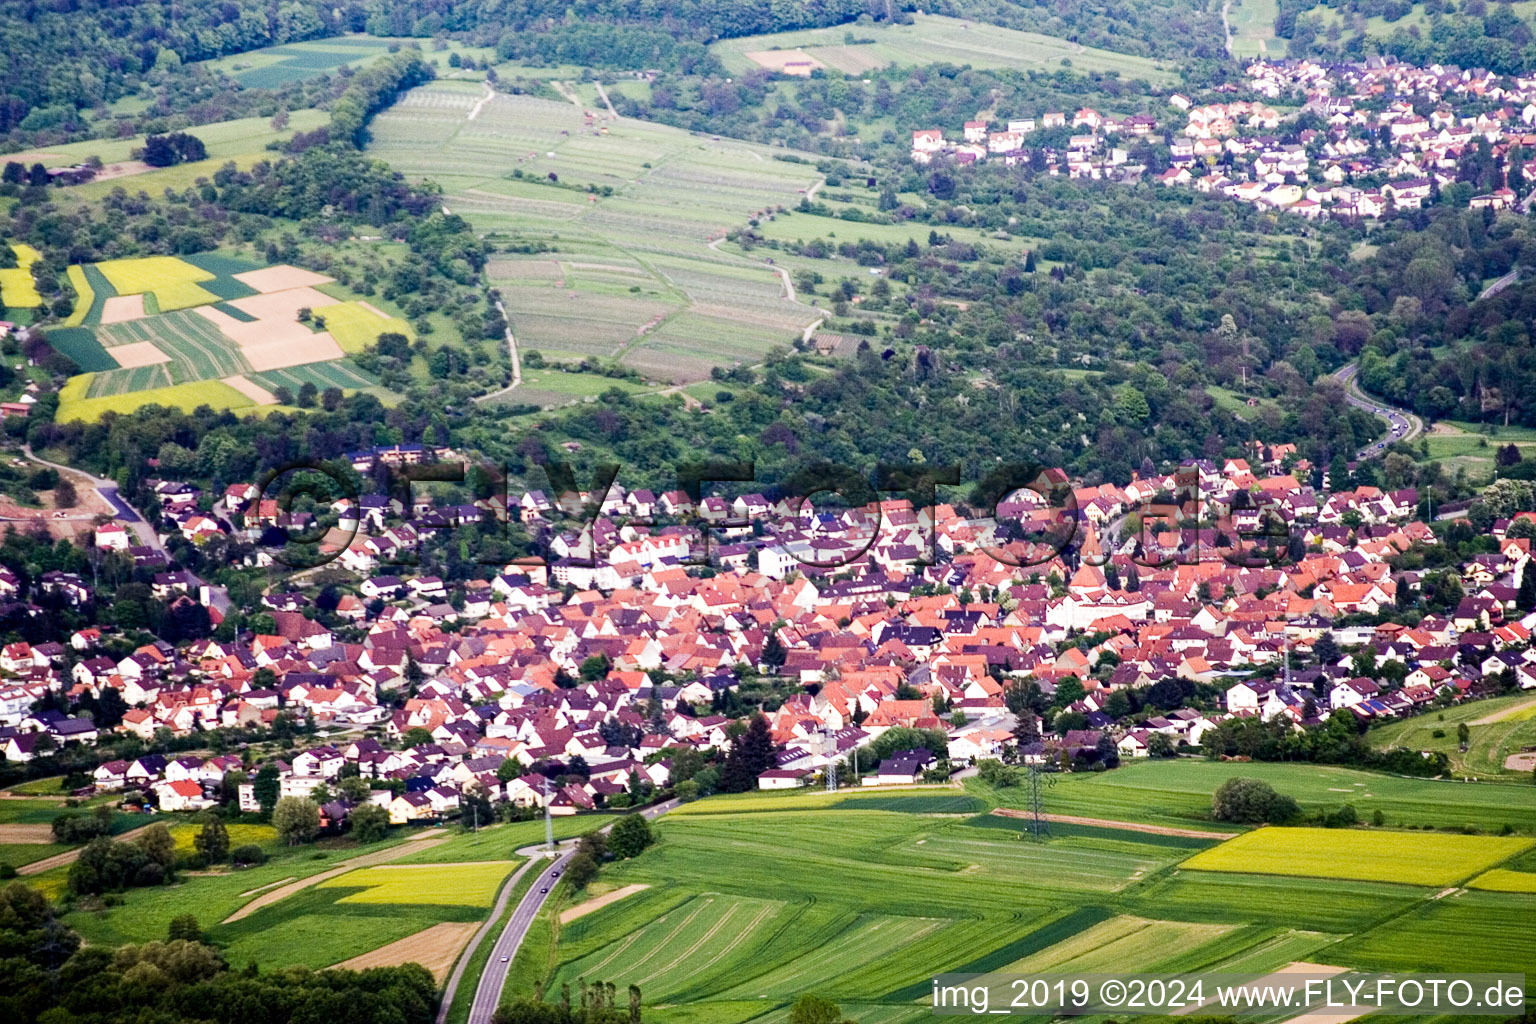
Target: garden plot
436	948
703	941
790	62
195	349
275	343
249	388
322	375
1119	941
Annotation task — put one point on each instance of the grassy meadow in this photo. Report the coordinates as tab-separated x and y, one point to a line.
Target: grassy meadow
933	39
1498	728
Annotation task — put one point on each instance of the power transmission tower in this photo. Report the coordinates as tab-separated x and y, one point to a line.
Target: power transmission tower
549	822
1040	828
829	751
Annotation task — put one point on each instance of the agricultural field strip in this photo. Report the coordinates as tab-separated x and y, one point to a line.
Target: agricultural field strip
1416	859
365	860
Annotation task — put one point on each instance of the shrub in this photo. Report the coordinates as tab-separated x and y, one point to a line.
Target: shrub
80	827
191	862
581	870
250	853
1252	802
369	823
1344	817
630	836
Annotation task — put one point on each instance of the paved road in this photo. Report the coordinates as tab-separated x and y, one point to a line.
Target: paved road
1402	425
1494	287
494	978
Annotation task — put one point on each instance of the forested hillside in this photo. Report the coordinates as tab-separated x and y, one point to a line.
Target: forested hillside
1181	29
1469	34
61	58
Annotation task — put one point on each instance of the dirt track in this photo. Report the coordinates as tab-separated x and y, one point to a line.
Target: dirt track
1130	826
58	860
598	903
1499	716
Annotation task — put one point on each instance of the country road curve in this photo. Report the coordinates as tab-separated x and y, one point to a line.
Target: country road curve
494	977
1402	425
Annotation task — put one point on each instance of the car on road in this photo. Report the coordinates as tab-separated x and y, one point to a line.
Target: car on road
505	959
545	889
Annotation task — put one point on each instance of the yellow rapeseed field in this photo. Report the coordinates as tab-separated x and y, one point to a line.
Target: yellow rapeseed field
173	282
456	885
1501	880
16	286
1417	858
73	405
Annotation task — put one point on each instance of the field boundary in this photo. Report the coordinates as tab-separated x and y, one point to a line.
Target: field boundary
597	903
1129	826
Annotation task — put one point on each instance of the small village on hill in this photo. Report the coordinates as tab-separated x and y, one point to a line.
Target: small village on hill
1342	140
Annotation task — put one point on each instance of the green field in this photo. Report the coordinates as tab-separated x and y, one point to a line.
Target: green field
222	139
334	374
1470	931
758	902
1489	743
199	354
933	39
631	276
1413	858
754	899
1179	793
1253	29
197	350
277	66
